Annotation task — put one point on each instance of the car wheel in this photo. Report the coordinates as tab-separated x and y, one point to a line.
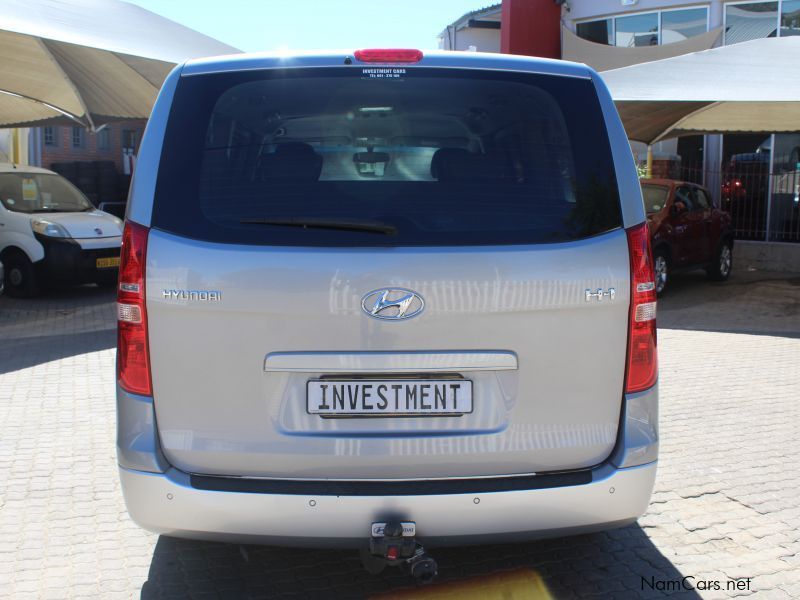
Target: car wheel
723	263
21	279
661	269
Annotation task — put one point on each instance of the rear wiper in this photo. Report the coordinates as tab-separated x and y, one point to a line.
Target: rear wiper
366	226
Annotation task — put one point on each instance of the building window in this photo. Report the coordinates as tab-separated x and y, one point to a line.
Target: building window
751	21
50	136
646	29
637	30
129	138
599	32
678	25
77	137
790	18
104	139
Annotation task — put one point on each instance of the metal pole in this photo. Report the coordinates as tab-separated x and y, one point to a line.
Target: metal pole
769	185
649	169
15	152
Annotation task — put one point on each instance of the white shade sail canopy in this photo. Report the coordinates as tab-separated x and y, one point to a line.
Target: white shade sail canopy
748	87
88	61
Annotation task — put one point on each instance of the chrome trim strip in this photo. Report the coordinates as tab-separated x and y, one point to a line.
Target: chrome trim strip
389	362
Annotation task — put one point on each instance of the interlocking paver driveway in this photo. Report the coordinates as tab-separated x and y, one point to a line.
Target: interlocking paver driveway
725	505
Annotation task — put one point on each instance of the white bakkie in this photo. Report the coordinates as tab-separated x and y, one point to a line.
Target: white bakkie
51	233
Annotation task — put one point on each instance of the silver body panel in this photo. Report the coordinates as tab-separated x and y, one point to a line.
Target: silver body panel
559	410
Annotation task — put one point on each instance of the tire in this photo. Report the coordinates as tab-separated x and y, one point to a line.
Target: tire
661	267
722	266
21	280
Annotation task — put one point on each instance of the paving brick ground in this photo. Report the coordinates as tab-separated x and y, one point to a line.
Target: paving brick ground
725	505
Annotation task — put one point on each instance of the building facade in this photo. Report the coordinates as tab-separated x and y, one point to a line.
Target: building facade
115	142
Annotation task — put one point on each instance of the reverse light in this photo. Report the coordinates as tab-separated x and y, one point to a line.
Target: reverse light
133	352
388	55
642	364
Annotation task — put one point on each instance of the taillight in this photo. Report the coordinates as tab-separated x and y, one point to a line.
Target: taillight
389	55
133	353
642	354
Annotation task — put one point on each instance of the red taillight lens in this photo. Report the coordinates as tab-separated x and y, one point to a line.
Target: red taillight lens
642	353
389	55
133	353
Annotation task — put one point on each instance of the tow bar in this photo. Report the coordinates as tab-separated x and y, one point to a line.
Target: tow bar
394	544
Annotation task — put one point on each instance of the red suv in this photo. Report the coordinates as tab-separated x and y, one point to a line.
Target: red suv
687	230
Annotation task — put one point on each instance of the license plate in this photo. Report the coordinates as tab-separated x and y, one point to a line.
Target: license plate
105	263
389	398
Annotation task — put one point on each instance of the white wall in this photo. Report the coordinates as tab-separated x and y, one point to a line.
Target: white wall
484	40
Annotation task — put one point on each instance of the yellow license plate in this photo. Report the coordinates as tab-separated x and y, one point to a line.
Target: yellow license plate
105	263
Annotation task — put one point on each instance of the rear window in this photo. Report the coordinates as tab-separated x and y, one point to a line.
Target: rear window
655	197
385	157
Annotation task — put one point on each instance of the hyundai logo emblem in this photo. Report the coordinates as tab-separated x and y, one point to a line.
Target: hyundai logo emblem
392	304
98	231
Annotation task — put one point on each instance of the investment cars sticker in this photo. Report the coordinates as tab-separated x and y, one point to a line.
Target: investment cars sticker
383	72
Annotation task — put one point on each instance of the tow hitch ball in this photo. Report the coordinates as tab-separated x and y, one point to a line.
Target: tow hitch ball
394	544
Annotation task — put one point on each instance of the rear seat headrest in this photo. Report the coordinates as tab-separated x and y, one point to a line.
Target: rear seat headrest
444	161
457	164
292	161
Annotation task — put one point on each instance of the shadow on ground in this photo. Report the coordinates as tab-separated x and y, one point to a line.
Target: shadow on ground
621	563
750	302
57	324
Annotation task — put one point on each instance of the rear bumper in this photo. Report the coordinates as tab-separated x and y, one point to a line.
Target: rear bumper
317	513
167	503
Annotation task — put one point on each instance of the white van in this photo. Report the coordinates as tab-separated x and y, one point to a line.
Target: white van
51	233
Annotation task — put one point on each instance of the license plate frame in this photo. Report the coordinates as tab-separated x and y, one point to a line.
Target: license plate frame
107	262
441	399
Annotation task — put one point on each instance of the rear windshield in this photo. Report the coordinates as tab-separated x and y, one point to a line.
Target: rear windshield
385	157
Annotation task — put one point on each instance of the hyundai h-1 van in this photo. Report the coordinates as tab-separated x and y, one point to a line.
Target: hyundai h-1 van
384	299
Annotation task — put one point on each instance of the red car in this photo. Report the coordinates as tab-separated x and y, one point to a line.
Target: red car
687	230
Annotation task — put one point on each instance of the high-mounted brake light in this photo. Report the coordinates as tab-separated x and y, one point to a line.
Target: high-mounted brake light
133	353
388	55
642	365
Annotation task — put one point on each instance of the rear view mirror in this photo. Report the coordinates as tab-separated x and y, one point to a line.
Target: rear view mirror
371	158
371	164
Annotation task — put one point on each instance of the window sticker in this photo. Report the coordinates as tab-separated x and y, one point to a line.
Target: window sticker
30	191
383	72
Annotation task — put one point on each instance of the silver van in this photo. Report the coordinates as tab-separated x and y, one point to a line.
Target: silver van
385	299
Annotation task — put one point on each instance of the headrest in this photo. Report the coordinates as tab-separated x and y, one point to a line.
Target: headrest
457	164
293	161
445	161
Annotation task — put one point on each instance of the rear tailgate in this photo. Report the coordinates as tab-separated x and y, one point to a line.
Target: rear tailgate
219	411
285	198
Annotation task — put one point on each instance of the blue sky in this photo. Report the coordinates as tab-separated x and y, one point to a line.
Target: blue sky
254	25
